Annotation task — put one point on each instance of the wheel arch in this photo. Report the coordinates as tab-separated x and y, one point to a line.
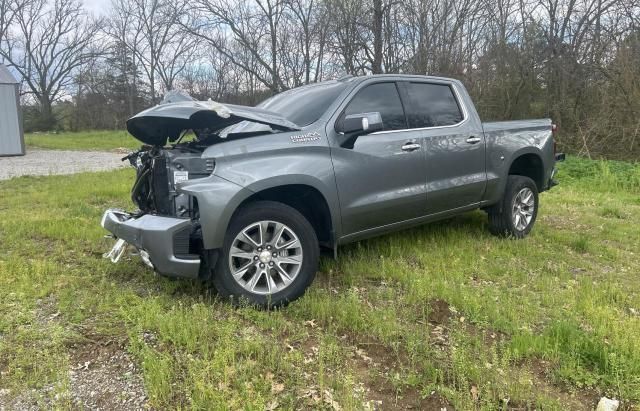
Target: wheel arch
528	164
306	199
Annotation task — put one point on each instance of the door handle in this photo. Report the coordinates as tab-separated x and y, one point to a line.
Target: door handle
410	146
473	140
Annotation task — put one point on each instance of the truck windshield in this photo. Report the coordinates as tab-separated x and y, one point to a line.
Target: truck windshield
302	106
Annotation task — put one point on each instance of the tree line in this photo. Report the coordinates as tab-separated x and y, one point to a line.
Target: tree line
576	61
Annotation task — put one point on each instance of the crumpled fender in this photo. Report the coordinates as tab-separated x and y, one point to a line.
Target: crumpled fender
217	201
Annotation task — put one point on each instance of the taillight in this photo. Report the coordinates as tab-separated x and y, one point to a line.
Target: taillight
554	132
554	128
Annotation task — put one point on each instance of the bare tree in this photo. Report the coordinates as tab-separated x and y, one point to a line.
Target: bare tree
347	40
151	30
7	10
309	31
124	47
252	25
50	42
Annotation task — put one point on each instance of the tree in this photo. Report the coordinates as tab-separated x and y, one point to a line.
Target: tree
253	26
7	11
50	42
151	30
307	26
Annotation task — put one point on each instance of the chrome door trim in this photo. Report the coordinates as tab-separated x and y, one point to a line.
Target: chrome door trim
459	100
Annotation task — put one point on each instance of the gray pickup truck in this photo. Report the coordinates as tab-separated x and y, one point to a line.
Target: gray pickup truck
248	196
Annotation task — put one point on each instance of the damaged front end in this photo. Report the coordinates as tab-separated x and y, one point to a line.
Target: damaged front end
162	242
166	230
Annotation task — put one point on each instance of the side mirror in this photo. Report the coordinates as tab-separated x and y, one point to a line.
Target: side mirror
356	125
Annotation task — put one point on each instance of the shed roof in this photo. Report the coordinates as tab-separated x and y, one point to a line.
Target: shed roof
5	76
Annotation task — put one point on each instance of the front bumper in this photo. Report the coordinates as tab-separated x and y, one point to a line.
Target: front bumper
156	238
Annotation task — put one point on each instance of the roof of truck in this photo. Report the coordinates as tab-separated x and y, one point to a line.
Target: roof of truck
407	76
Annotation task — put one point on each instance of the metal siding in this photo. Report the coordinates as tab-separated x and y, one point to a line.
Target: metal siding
11	140
5	76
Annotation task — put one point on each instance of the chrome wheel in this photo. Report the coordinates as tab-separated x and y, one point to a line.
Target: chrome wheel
523	208
265	257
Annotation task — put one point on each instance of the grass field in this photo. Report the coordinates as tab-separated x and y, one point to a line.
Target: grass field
87	140
441	315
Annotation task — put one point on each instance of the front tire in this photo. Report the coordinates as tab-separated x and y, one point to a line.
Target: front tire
515	215
269	256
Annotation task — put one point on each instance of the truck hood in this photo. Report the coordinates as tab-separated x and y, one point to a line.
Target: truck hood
179	112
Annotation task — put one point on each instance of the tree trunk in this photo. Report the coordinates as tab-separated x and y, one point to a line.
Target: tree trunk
376	64
47	119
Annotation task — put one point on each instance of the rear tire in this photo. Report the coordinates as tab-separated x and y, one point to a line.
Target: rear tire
269	256
516	213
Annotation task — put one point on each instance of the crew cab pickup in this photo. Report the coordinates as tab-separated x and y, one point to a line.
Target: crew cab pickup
246	197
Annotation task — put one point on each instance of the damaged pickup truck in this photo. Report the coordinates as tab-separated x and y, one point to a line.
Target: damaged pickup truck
248	196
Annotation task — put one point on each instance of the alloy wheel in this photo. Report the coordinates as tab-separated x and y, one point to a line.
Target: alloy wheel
265	257
523	208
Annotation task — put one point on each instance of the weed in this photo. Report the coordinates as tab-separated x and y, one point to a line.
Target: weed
581	244
612	212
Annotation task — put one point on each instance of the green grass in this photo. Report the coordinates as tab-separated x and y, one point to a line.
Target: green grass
549	322
87	140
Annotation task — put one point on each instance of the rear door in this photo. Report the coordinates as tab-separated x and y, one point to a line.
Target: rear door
381	180
454	144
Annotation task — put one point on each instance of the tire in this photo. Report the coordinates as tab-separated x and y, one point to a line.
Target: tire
273	277
502	216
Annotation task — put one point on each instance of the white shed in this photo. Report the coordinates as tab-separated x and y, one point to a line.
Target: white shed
11	133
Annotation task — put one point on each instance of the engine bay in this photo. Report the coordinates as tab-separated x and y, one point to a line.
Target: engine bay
159	170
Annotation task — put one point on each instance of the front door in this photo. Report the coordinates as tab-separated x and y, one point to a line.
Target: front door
381	180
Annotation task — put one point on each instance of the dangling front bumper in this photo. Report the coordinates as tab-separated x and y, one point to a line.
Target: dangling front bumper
159	240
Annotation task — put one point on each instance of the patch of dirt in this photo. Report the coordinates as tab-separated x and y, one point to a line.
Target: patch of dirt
29	400
576	399
104	377
414	262
436	402
565	222
439	312
489	335
46	313
373	363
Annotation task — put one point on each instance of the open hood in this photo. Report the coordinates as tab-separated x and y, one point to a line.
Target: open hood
179	112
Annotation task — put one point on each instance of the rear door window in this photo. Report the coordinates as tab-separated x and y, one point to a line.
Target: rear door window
383	98
432	105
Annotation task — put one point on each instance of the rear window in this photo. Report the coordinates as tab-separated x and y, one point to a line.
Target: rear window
432	105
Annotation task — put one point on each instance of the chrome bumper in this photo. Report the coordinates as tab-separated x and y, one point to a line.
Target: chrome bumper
153	236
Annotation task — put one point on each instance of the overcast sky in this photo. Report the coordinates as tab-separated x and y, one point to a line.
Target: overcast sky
97	7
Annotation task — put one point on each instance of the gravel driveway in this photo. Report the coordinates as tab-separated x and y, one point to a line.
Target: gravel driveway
47	162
